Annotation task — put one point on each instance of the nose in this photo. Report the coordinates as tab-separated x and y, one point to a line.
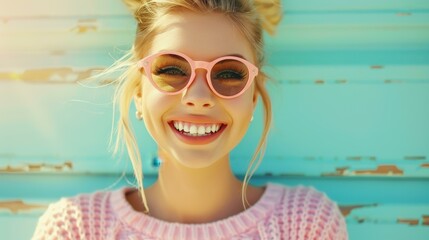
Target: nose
198	94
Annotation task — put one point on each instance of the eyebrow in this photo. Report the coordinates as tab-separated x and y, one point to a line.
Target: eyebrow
176	56
236	55
226	55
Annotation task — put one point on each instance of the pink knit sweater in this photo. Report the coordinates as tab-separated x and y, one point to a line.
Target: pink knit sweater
281	213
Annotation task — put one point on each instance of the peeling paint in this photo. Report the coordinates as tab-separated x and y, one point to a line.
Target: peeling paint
372	158
381	170
415	157
408	221
384	170
19	205
424	165
340	171
319	81
347	209
9	76
341	81
51	75
425	220
33	167
371	213
85	25
388	81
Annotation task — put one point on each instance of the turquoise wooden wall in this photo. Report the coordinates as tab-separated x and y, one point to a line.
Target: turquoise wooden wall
350	103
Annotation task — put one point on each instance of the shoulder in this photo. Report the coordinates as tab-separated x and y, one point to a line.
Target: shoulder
303	196
310	213
75	217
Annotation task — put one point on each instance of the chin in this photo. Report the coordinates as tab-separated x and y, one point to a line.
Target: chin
196	159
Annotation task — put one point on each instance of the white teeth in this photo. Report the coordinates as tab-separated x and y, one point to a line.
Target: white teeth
196	129
208	129
201	130
193	129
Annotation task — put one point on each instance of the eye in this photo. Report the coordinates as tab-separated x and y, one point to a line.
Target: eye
171	71
230	75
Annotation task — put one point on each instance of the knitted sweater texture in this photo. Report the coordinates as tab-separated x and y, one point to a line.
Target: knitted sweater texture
283	212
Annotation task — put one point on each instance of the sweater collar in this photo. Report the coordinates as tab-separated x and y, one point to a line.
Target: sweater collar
221	229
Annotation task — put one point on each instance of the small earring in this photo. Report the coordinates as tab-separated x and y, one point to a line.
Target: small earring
251	119
139	115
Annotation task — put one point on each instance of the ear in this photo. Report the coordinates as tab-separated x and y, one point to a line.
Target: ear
255	98
138	98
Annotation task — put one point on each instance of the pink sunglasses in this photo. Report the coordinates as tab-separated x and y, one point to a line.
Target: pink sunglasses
171	72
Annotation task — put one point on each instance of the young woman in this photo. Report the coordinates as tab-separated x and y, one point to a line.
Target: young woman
195	78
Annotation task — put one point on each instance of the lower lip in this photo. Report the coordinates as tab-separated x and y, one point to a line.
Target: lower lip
197	140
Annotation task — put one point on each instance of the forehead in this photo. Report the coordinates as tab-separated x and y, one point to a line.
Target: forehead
200	36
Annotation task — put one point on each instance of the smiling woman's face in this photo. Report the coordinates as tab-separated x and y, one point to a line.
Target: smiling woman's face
202	38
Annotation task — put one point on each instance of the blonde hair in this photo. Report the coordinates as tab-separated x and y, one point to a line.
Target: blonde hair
250	17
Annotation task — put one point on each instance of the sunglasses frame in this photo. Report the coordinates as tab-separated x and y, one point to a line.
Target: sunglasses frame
146	64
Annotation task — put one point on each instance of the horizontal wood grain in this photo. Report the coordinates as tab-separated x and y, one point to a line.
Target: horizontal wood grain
350	93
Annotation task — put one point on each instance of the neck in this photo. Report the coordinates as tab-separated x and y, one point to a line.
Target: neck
187	195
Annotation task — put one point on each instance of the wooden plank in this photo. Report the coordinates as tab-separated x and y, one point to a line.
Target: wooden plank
349	64
345	190
346	37
103	8
71	34
387	231
363	5
325	166
413	215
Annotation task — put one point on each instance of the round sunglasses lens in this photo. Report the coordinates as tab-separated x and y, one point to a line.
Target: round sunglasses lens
229	77
170	72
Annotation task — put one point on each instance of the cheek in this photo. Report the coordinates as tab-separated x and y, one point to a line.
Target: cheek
241	109
154	105
153	100
244	103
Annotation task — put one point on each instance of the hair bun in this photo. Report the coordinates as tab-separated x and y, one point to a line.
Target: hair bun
133	6
270	12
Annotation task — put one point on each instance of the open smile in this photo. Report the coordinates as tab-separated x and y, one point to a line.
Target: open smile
197	133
